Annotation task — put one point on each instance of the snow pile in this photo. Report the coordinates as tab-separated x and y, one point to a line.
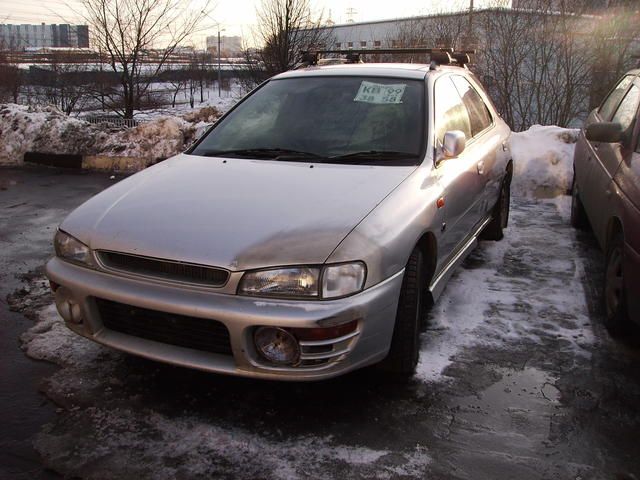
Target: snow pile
48	130
543	161
156	140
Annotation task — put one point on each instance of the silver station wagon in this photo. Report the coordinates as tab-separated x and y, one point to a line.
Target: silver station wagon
304	235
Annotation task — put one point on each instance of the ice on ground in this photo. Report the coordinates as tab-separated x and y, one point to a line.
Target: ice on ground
543	160
521	291
158	446
130	442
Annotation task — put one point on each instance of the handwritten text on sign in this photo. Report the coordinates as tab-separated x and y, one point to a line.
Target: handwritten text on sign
370	92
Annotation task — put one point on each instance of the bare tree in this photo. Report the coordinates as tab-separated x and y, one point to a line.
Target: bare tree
137	38
11	79
67	85
536	64
285	29
614	36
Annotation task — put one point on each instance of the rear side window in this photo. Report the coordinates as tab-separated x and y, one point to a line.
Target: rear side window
479	115
451	114
626	112
611	102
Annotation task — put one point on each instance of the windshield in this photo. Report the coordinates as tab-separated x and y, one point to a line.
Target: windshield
326	119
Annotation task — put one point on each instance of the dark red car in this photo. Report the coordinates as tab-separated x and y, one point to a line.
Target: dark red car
606	195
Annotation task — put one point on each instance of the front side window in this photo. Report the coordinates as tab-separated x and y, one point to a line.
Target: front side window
611	102
450	112
626	112
479	115
325	117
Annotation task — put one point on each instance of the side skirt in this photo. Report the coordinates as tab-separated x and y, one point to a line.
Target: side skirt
439	281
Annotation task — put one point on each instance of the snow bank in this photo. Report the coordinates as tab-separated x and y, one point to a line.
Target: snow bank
543	160
48	130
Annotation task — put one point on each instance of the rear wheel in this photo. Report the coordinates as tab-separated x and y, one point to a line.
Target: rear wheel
500	214
616	319
578	215
405	343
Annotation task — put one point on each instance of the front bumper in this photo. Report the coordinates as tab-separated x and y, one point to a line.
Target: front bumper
374	309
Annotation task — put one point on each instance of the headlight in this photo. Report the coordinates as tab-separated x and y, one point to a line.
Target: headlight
337	281
282	282
342	280
71	249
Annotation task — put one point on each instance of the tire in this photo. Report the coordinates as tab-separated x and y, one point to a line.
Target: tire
579	218
403	355
615	302
500	214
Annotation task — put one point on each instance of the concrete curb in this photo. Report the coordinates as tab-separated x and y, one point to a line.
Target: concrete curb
89	162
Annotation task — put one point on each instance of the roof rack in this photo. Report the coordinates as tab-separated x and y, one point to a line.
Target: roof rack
438	56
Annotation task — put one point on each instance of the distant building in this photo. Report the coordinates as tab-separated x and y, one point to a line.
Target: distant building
229	46
577	6
20	37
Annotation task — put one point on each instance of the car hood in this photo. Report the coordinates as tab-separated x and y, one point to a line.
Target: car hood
234	213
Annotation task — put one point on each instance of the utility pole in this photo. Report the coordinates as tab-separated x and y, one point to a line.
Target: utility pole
219	66
470	36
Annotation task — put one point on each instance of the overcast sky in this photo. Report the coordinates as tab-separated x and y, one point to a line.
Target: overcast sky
237	17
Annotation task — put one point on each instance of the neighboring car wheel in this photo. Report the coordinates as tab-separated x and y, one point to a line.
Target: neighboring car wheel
500	214
405	343
615	305
578	215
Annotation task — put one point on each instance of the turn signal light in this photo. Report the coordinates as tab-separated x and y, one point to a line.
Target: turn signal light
324	333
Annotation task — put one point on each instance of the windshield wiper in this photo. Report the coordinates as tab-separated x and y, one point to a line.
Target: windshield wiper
269	153
375	155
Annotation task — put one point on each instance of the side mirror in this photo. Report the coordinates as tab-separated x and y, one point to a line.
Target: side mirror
453	143
606	132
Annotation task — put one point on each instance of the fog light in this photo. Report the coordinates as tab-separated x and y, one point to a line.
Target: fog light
68	309
277	345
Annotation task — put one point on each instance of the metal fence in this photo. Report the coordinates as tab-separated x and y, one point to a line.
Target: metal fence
112	120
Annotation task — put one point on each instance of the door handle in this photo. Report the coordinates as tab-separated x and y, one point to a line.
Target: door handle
480	167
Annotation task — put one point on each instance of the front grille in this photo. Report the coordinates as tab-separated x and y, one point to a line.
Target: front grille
189	332
164	269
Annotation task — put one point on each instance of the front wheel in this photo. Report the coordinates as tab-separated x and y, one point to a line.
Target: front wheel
578	214
405	343
500	214
616	318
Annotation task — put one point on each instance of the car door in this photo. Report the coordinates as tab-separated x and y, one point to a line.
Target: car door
482	146
605	159
459	178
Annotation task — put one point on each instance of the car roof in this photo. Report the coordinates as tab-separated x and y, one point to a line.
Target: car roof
400	70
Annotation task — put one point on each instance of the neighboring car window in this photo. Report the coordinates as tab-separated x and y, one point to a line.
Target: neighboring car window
326	117
451	114
479	115
611	102
626	112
